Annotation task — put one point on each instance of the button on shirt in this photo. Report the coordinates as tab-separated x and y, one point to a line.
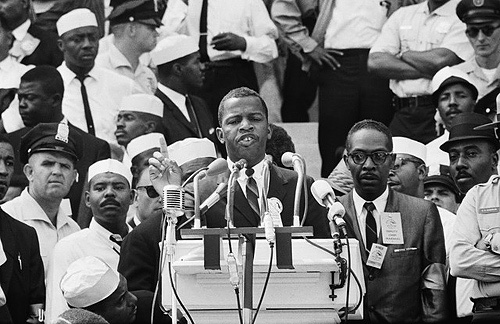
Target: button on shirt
362	18
246	18
415	28
27	210
114	60
379	203
105	90
94	241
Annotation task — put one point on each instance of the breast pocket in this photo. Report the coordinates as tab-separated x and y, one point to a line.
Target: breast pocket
439	34
408	37
489	222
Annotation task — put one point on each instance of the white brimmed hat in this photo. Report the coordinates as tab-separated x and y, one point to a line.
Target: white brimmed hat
88	281
144	103
448	76
404	145
172	48
81	17
191	148
143	143
110	165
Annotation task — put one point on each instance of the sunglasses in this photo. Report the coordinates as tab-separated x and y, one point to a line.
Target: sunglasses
150	190
487	30
360	157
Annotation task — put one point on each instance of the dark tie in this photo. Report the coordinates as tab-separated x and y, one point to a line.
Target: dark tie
192	116
371	226
203	32
86	106
252	192
117	239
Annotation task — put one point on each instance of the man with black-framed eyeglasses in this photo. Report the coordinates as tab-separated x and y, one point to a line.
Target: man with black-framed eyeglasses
482	19
415	249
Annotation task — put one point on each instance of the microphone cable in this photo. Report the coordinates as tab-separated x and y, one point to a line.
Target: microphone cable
271	245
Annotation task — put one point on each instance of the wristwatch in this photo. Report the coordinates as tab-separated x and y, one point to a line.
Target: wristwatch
487	240
495	248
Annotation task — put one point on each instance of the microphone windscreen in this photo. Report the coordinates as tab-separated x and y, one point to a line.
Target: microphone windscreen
320	190
287	159
217	167
241	164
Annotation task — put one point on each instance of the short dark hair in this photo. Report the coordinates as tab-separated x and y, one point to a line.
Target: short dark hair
48	76
279	143
369	124
4	139
242	92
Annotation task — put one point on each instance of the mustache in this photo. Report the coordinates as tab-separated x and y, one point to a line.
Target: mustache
109	202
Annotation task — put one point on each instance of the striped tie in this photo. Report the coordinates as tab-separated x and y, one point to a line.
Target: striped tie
252	192
371	226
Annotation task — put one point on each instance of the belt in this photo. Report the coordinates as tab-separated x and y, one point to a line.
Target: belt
415	101
486	304
234	62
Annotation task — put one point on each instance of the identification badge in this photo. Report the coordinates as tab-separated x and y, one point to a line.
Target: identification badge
392	229
377	256
275	208
489	210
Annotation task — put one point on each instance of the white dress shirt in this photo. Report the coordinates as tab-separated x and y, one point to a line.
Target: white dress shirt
105	90
246	18
25	209
177	98
379	203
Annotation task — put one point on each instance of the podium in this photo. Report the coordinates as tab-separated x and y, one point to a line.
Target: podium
299	294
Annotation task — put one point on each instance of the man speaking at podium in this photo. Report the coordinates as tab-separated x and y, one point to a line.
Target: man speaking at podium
400	237
244	130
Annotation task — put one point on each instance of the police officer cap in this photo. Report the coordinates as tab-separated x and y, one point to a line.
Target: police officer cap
145	11
443	180
51	137
478	11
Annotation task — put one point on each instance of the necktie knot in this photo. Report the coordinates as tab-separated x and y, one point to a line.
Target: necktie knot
369	206
116	238
81	78
249	172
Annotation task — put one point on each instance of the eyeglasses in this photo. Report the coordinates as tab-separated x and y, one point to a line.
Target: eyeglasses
404	161
150	190
360	157
487	30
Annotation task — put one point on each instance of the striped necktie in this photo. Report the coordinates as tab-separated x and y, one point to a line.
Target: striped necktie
252	192
371	225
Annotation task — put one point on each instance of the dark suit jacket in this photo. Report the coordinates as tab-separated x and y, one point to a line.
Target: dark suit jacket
393	293
22	275
176	127
139	253
94	149
47	52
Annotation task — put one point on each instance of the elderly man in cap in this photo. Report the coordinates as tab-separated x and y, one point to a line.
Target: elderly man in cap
180	75
452	93
475	243
49	152
109	197
139	114
147	202
441	190
22	288
92	94
40	101
138	262
483	21
134	27
89	283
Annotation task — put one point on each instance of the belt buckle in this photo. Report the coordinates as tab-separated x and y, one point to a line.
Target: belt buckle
413	101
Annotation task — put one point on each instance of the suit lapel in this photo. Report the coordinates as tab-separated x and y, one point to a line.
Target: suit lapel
353	220
175	112
11	251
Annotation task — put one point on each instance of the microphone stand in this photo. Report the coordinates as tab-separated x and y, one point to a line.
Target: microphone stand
298	193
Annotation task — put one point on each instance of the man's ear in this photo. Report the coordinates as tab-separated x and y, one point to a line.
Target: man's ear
494	159
422	172
28	171
346	161
220	134
60	45
269	132
132	196
150	126
87	199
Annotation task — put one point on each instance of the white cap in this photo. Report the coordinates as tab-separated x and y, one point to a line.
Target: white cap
142	102
110	165
404	145
447	73
191	148
172	48
143	143
81	17
88	281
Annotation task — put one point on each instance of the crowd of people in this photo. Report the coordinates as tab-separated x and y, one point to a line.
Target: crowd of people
104	103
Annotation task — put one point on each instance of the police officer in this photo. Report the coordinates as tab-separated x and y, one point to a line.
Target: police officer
475	244
482	18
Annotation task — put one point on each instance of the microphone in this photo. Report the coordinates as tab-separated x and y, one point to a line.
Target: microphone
269	228
173	201
290	159
324	195
241	164
218	166
214	197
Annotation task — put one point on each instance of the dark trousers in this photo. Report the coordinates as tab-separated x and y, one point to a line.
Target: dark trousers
416	122
224	76
346	96
299	91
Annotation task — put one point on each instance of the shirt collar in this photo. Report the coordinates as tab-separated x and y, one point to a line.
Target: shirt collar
172	94
380	202
137	221
37	213
117	57
7	64
20	32
68	75
257	175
